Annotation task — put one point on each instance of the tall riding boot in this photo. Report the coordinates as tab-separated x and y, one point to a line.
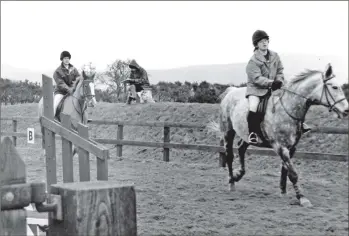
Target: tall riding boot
252	120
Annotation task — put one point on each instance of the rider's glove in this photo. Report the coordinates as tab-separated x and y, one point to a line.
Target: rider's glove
276	85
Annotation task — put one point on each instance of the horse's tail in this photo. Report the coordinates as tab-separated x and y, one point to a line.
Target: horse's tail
215	127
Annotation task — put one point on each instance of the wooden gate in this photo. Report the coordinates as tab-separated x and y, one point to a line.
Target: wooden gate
90	208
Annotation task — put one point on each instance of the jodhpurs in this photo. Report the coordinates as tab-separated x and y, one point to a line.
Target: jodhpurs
253	103
56	99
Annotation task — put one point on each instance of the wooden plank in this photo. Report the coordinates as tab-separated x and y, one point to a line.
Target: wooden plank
20	135
84	156
15	196
119	136
300	155
213	148
12	171
202	147
147	123
325	130
96	208
13	222
166	155
67	153
102	169
49	136
330	130
14	129
87	145
34	118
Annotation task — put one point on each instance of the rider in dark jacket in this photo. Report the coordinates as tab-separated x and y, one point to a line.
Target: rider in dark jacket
66	77
138	79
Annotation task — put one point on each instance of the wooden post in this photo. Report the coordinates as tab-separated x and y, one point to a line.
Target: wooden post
102	167
119	136
12	171
14	128
67	154
125	92
166	140
95	208
49	136
0	128
84	156
222	157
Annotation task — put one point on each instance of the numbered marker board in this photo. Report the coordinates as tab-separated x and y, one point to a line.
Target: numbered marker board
30	135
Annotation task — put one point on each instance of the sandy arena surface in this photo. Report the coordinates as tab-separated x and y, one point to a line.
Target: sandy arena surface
189	195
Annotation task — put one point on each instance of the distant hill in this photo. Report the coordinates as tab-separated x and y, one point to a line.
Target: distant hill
233	73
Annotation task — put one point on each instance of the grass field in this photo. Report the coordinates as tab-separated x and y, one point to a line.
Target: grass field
189	195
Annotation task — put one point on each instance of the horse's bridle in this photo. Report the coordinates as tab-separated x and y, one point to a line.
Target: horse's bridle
84	95
309	102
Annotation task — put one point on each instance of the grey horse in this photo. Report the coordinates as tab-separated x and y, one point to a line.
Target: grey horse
285	112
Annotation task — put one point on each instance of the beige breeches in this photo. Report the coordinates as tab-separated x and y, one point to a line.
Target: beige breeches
57	98
253	103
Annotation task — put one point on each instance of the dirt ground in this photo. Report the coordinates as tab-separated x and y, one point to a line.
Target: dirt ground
189	195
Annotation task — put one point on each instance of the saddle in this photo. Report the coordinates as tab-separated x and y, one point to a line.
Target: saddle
263	103
261	109
59	108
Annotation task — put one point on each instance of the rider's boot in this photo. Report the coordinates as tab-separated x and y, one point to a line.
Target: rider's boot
305	128
252	120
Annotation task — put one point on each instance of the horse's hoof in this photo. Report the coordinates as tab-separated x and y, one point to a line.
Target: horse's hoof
232	187
304	202
283	195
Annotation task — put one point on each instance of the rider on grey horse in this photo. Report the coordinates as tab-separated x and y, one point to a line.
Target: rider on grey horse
138	79
66	77
264	71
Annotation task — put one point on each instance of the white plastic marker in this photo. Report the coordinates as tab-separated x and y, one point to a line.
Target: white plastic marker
30	135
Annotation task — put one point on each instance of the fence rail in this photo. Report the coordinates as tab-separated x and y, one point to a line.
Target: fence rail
167	145
69	203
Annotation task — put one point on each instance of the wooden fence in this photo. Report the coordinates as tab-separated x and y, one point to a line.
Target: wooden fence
167	145
116	214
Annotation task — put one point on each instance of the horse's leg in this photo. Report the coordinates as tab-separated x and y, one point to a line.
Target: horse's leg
242	150
228	143
284	173
292	175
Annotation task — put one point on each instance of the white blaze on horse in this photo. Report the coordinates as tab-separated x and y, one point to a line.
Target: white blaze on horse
75	105
280	129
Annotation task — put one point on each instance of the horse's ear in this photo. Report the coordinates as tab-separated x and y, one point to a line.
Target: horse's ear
328	71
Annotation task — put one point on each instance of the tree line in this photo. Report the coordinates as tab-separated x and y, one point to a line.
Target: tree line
15	92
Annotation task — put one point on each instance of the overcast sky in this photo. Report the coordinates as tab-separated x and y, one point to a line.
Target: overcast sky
161	35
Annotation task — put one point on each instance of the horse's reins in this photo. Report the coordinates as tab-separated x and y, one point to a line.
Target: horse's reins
83	109
310	102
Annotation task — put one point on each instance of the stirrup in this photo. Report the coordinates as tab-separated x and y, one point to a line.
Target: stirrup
253	138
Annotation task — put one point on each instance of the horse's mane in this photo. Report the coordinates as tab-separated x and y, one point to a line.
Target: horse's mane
302	76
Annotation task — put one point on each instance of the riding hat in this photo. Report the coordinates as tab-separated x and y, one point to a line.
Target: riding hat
258	35
65	54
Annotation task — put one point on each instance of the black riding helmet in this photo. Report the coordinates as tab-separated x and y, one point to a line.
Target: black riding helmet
258	35
65	54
